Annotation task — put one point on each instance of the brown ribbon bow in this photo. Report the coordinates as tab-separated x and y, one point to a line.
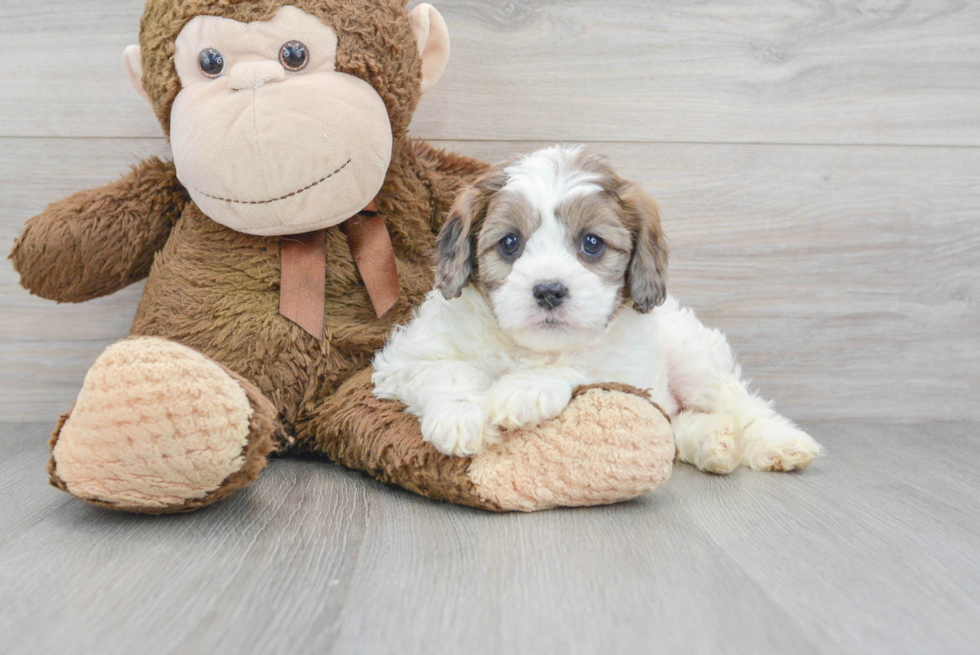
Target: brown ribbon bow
304	269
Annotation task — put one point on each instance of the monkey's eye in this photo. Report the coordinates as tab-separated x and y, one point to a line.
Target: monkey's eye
294	56
593	246
510	245
211	62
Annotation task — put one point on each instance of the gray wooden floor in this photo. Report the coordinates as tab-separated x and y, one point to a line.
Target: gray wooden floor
817	164
873	550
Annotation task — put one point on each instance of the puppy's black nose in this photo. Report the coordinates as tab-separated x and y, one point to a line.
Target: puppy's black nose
550	295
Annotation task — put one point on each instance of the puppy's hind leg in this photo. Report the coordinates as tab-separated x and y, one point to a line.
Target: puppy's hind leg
742	429
723	422
700	369
770	441
712	442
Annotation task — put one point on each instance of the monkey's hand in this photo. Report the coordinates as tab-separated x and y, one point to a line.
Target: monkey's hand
96	242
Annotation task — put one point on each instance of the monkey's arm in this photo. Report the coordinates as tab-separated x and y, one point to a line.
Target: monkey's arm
98	241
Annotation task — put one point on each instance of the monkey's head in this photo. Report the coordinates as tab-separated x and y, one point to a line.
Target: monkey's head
282	113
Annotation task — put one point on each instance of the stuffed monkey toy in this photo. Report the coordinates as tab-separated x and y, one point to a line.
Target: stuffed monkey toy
290	234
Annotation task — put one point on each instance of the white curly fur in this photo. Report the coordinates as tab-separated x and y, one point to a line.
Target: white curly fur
472	368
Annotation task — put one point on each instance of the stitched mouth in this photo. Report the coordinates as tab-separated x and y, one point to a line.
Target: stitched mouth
288	195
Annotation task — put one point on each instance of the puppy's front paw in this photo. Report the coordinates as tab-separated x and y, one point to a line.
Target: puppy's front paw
456	427
525	403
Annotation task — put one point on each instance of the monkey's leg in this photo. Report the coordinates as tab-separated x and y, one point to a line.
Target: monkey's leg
608	446
159	428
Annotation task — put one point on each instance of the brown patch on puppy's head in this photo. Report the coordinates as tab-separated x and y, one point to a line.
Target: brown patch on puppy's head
601	215
456	247
623	209
647	278
508	215
556	241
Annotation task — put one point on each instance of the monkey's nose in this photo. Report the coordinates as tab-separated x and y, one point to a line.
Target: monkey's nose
251	74
550	295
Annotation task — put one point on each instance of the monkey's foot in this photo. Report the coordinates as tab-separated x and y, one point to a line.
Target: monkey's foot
609	445
160	428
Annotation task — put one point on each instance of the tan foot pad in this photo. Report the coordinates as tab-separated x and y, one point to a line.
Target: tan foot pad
156	425
608	446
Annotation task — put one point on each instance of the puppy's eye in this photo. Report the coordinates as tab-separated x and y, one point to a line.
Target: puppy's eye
593	246
510	245
212	63
294	56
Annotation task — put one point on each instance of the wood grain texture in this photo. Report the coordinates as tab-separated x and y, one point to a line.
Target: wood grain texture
784	71
872	550
846	278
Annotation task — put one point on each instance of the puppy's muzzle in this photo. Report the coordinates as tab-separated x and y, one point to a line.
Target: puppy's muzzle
550	295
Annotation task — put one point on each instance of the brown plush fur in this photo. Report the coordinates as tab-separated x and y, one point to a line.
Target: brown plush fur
99	241
355	429
217	291
375	44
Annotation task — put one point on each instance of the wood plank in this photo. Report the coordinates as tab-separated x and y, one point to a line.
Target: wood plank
789	72
872	550
845	277
631	578
212	582
856	557
64	74
878	532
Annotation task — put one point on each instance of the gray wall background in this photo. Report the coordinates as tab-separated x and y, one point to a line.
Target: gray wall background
817	165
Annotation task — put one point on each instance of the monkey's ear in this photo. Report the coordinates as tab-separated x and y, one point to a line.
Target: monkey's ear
133	57
432	37
647	276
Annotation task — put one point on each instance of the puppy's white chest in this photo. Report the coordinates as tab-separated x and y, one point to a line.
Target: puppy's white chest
627	353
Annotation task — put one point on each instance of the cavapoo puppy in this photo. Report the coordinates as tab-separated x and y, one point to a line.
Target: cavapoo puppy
551	273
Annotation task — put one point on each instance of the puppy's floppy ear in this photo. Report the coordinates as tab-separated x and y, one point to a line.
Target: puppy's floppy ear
647	275
456	245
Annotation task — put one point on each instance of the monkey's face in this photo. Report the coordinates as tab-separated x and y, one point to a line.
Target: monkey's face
268	137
